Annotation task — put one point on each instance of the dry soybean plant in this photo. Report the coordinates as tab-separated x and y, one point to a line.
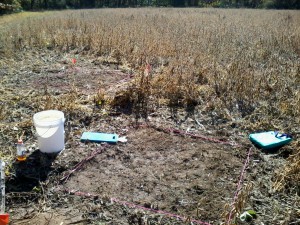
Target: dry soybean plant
247	60
231	212
136	97
289	176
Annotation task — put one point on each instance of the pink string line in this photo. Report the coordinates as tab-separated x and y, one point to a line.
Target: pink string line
184	133
176	131
129	204
159	212
239	185
79	165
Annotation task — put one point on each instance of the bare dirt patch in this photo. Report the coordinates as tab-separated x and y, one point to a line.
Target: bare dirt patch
164	171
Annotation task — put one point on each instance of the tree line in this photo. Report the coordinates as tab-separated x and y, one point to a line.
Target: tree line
7	6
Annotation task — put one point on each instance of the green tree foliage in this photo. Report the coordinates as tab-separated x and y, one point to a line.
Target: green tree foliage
7	6
14	5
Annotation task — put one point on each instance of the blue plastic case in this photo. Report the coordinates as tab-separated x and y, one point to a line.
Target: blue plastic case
270	139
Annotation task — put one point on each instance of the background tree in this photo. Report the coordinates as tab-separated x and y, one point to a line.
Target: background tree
7	6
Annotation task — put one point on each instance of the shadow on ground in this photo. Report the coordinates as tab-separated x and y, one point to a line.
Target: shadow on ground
29	173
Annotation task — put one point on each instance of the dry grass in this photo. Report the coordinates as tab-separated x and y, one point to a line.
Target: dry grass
244	61
288	178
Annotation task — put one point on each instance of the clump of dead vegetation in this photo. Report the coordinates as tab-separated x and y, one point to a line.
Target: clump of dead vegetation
247	67
232	212
288	178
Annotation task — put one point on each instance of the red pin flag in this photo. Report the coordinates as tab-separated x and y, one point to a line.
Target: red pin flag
4	219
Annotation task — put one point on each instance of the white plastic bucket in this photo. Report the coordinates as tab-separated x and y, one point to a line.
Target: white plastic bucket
49	126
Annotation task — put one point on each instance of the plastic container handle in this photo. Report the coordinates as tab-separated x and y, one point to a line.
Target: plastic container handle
279	135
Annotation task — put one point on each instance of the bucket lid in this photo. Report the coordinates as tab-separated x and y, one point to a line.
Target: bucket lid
47	122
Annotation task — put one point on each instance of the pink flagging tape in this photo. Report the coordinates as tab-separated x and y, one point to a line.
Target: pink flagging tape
239	185
130	204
